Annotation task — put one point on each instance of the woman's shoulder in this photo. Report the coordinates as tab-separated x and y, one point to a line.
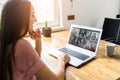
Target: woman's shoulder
23	47
22	41
23	44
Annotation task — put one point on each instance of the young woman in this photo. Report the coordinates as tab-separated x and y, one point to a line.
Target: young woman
18	59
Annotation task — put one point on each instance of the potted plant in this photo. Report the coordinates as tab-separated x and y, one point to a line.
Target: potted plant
46	30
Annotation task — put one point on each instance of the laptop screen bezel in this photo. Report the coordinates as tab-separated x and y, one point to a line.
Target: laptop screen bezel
82	49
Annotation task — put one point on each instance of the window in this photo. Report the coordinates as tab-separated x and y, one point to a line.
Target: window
1	1
46	10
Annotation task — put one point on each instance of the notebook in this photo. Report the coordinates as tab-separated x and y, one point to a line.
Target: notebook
81	46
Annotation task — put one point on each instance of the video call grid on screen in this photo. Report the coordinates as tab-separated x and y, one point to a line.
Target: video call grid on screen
84	38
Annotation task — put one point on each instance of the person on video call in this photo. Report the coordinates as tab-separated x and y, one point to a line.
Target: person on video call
18	59
82	38
93	37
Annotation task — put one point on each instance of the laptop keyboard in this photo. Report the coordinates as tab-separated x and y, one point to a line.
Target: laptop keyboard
74	53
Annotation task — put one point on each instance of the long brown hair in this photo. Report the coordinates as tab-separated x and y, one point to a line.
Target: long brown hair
14	26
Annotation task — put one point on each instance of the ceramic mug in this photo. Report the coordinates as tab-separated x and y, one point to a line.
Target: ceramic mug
110	48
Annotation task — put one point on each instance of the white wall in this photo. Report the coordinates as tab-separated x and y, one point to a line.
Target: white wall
89	12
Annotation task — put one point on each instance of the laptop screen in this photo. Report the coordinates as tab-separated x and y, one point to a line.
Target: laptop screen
84	38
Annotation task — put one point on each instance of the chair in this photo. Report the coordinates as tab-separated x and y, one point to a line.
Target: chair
111	28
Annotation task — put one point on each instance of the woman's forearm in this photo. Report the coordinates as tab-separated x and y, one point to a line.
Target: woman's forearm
60	72
38	46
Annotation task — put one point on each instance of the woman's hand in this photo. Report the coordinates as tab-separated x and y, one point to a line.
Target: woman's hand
35	34
63	59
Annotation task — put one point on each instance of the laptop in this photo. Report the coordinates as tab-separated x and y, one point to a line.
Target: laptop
81	46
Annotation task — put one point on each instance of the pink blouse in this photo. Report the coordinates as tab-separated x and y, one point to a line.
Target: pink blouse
27	61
